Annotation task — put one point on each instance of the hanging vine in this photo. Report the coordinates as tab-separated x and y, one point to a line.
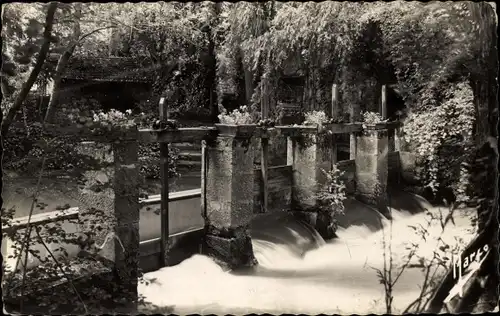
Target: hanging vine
443	140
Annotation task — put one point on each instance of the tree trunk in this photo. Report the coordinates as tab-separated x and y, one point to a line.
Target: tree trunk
240	80
47	35
61	66
212	75
248	84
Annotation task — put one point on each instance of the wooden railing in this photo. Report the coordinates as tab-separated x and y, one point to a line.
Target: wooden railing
37	220
41	219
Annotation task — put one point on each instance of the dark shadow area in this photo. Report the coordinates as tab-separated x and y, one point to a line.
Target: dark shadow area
182	248
359	214
283	228
407	202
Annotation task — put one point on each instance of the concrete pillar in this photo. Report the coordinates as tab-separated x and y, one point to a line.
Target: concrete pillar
372	167
125	247
309	155
229	198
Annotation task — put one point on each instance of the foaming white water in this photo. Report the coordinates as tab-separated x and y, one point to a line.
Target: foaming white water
336	277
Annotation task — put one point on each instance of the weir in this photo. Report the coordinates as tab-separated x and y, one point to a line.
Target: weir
337	275
235	194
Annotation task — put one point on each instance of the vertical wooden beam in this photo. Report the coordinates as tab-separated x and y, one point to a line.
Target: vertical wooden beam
352	147
334	114
204	158
355	114
163	109
264	161
383	102
335	97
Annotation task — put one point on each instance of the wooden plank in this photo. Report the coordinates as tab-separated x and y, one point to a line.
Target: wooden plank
345	128
352	146
348	167
203	189
334	110
383	102
196	134
154	246
181	135
163	109
172	197
295	131
334	152
279	188
43	218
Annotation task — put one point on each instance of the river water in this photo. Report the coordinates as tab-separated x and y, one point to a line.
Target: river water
299	272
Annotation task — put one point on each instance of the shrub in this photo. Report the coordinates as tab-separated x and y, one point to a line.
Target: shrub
316	118
331	196
372	118
149	157
441	135
26	145
243	115
24	148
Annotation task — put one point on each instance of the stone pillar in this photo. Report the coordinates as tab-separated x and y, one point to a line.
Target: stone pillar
309	154
126	217
229	196
372	167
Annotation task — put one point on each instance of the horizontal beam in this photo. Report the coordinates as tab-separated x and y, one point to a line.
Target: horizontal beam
172	197
347	128
294	131
181	135
43	218
344	128
345	164
152	246
93	131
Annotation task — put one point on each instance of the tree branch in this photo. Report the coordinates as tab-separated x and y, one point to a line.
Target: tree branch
93	32
62	271
62	63
47	35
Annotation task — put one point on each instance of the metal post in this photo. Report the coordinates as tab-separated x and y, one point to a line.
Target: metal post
163	109
265	149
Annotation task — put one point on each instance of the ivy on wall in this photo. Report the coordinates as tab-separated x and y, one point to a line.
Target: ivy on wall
442	138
